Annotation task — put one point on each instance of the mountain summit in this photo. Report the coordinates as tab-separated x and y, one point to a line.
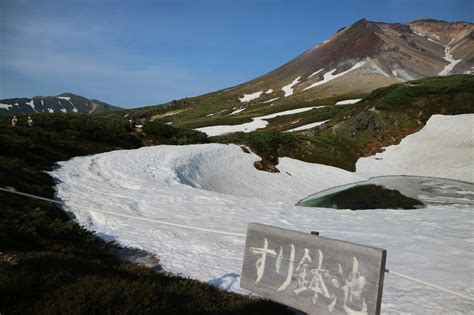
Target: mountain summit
348	65
367	55
65	103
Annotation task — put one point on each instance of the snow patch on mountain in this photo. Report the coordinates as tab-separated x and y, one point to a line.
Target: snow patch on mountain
402	74
239	110
248	97
64	98
256	123
308	126
436	42
271	100
6	106
315	73
449	58
288	89
347	102
443	148
328	76
74	109
32	105
268	91
376	69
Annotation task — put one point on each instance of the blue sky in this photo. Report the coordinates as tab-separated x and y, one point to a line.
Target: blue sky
135	53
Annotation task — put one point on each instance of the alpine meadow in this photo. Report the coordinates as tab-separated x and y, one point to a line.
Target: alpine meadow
266	157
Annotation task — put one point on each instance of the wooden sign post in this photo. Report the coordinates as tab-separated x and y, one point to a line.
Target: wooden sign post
314	274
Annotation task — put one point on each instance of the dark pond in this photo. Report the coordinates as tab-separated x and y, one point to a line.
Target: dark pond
366	197
395	192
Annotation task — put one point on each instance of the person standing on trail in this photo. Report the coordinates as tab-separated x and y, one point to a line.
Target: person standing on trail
30	121
14	121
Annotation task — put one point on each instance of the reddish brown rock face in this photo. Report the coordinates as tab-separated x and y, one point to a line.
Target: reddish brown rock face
390	53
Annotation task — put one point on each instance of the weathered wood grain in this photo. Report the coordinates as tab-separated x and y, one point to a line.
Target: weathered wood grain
314	274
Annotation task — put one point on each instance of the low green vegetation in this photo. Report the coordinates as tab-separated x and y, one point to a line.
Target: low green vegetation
50	265
166	134
439	90
381	119
267	144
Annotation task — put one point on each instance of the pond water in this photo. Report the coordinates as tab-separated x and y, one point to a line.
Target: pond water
395	192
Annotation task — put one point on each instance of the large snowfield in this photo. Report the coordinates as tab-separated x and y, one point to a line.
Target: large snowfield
216	187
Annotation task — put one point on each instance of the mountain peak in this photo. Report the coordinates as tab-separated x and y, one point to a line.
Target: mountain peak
69	94
65	102
363	21
428	20
358	58
366	24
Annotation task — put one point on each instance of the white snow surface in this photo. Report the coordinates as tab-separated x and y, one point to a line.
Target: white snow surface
268	91
346	102
31	103
402	73
443	148
271	100
308	126
6	106
216	186
315	73
288	89
236	111
256	123
329	76
432	40
449	57
64	98
248	97
376	68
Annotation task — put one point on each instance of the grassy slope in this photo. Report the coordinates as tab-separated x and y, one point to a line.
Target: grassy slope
60	267
381	119
49	265
385	117
193	112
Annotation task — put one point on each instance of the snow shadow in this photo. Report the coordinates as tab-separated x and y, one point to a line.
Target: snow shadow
226	281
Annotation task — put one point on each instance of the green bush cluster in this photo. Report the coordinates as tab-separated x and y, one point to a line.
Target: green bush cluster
63	269
267	144
404	94
167	134
55	266
112	130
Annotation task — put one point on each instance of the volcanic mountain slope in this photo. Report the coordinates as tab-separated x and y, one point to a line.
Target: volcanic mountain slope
367	55
66	103
350	64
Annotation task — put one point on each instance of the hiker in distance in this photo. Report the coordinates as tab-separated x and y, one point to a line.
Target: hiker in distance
14	121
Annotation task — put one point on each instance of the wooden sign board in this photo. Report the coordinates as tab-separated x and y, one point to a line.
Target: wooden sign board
314	274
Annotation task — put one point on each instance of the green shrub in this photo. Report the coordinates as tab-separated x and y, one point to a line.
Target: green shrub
268	143
168	134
